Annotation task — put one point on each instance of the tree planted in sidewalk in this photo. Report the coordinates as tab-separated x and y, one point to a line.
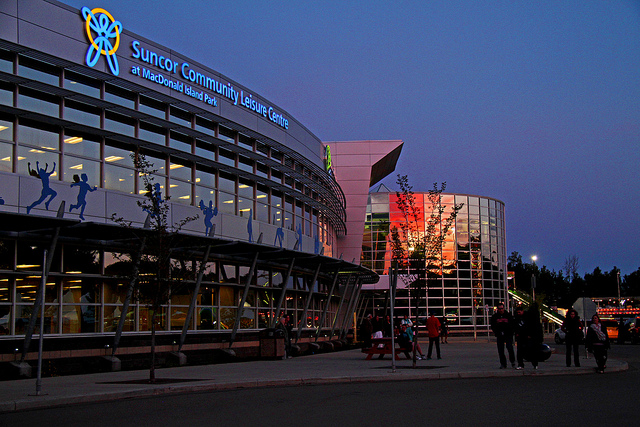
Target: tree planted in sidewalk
417	240
158	265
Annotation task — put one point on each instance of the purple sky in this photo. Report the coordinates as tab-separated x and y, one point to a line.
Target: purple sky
536	103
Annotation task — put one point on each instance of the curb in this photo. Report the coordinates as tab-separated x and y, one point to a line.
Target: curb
45	401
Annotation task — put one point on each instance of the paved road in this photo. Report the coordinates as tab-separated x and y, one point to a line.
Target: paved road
532	399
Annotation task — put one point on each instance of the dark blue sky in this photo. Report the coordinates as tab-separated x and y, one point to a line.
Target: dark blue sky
535	103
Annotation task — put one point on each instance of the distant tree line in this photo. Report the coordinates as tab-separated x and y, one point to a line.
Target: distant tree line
562	288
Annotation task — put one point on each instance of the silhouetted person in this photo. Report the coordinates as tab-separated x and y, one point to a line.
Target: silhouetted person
47	191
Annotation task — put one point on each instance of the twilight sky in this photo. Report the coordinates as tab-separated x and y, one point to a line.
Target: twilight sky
535	103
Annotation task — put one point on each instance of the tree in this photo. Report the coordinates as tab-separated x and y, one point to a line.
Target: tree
416	242
160	268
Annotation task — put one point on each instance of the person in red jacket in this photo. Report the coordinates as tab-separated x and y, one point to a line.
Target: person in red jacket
433	328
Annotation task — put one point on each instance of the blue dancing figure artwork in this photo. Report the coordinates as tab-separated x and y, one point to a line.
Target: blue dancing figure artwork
299	233
83	188
209	212
250	226
156	199
316	244
43	175
279	236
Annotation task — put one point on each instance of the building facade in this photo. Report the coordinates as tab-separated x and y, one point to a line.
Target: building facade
469	275
80	97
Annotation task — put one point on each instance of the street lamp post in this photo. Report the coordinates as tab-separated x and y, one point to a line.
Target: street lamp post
534	258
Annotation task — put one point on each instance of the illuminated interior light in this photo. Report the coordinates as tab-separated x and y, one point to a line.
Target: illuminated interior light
49	148
121	179
6	159
228	201
27	265
113	158
197	180
245	210
3	128
73	140
243	186
175	166
77	167
184	197
74	272
21	158
33	150
262	196
75	287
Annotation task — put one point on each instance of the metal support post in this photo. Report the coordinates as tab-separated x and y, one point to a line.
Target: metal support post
243	299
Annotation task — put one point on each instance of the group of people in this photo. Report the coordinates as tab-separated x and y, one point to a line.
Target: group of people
375	327
596	339
526	328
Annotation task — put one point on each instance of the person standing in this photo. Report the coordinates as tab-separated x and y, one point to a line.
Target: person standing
598	343
521	336
366	329
573	329
502	327
533	332
282	327
444	331
433	329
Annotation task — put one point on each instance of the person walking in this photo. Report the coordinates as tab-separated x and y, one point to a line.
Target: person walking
444	331
533	332
598	343
433	329
520	335
573	329
502	327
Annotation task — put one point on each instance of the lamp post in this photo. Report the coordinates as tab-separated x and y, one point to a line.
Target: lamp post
534	258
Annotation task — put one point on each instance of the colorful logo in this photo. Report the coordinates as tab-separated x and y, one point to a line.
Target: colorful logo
103	33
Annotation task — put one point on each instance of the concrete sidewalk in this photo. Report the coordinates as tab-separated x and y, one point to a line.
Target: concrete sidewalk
461	358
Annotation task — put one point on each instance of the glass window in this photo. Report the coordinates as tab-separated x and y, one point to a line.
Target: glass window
117	156
81	84
152	107
227	203
179	169
205	150
119	96
46	160
245	188
245	206
39	103
180	116
262	170
6	61
180	142
118	178
245	164
206	177
205	195
6	157
226	157
205	126
226	134
81	145
180	191
6	130
245	142
6	94
82	114
227	183
120	124
75	168
152	133
262	148
39	71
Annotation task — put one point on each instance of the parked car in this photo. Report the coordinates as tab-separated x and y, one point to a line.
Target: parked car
631	331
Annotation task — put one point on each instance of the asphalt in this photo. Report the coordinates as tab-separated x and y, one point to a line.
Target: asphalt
461	358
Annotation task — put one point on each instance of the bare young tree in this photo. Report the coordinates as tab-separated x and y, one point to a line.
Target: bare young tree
417	242
160	269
